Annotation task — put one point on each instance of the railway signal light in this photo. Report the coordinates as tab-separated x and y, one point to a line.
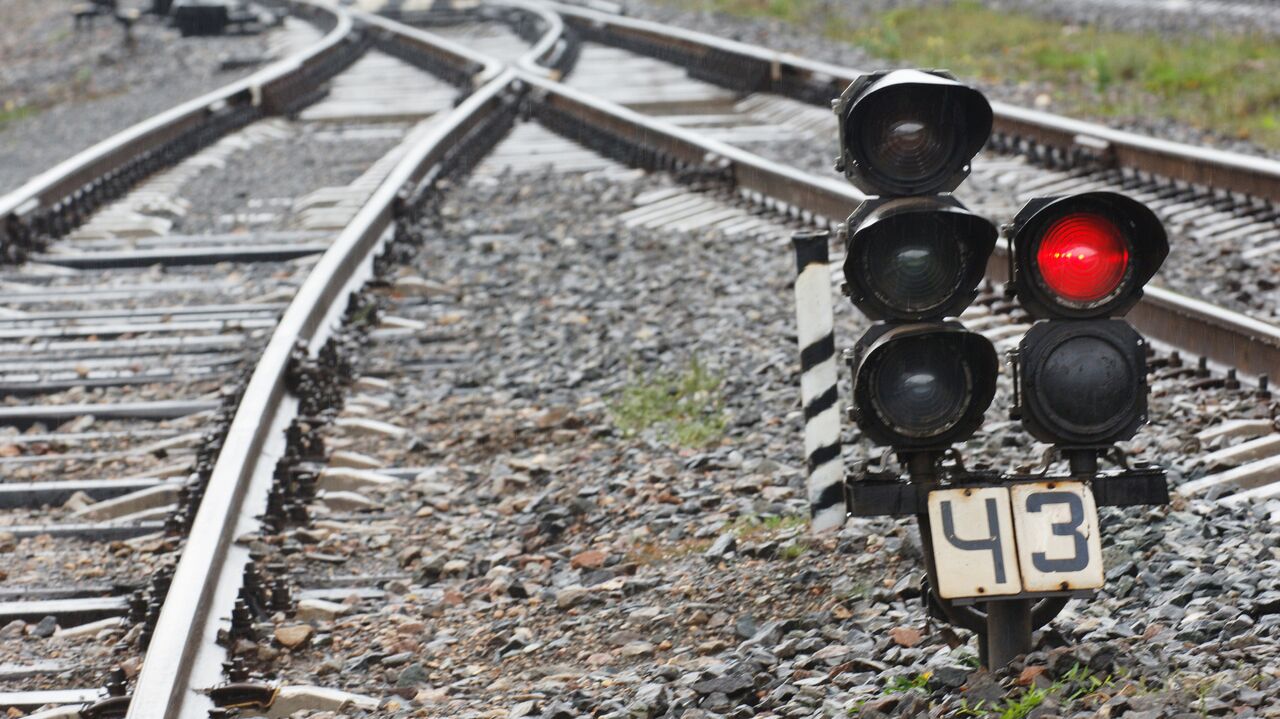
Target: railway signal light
1017	546
922	386
1079	261
1085	256
910	132
914	257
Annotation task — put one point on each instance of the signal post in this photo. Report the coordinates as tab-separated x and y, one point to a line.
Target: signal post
1003	552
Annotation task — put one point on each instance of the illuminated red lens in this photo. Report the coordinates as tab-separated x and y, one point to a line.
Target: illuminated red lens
1083	257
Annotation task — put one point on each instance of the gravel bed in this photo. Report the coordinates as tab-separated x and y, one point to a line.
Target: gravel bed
87	85
80	659
562	568
258	186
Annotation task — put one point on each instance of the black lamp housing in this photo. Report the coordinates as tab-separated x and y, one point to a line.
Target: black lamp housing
910	132
1143	233
915	258
922	386
1082	384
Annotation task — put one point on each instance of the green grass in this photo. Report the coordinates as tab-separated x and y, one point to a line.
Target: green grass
903	683
1022	706
793	550
686	408
1226	83
1069	689
12	113
753	525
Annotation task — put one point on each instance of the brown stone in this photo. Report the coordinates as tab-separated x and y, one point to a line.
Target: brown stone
294	636
905	636
1029	674
590	559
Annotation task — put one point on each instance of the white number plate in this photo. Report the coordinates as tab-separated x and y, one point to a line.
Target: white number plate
1034	537
973	542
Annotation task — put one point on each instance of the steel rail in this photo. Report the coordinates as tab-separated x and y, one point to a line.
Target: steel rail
188	612
550	46
271	88
781	187
552	43
452	60
751	68
189	615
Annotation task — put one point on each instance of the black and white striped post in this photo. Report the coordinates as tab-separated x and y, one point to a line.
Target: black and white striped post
815	329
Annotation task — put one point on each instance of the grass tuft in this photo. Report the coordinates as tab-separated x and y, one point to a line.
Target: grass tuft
750	526
654	553
793	550
1074	690
687	408
12	112
903	683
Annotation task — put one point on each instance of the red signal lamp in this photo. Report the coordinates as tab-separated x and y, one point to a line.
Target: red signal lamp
1085	256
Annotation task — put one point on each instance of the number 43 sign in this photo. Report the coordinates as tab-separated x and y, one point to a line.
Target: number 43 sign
1023	538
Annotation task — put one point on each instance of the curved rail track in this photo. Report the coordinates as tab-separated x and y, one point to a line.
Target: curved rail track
259	459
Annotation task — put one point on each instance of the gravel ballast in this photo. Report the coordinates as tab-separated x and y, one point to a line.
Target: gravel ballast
84	85
538	561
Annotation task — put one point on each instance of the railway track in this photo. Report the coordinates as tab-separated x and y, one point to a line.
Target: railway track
151	359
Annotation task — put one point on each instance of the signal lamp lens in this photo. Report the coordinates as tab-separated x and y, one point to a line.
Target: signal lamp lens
901	142
909	132
916	273
1091	382
915	258
1083	383
919	390
1083	257
920	386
